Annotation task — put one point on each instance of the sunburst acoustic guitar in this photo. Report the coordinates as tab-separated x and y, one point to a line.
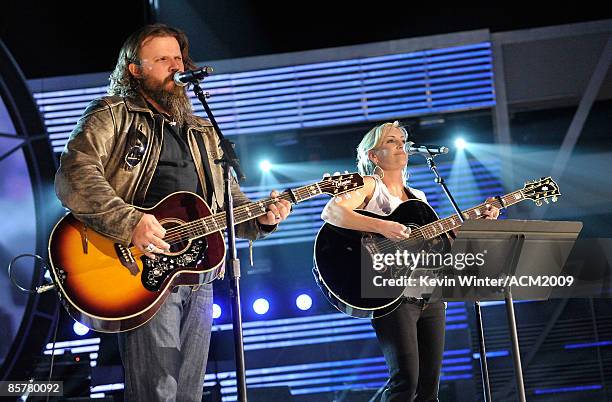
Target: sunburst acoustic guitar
110	287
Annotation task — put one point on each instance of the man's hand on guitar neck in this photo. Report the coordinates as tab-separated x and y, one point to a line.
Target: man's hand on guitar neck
148	235
277	212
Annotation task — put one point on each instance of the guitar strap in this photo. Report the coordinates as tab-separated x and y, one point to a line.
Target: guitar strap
408	193
209	190
207	277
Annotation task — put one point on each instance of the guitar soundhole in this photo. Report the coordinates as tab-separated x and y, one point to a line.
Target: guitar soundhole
184	254
178	238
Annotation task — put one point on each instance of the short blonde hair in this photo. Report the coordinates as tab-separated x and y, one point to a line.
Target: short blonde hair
371	140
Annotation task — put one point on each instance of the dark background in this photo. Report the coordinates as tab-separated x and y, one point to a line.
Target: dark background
63	38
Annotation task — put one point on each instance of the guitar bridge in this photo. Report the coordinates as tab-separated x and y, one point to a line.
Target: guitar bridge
126	258
370	244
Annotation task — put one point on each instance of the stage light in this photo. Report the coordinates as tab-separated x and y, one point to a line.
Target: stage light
303	302
79	328
216	311
265	165
261	306
460	143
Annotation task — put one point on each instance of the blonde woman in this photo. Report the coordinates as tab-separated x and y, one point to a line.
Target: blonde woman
412	336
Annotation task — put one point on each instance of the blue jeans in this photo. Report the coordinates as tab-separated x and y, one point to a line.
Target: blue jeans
165	359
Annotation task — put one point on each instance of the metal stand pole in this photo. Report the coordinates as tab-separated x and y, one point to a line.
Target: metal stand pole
484	369
230	161
516	353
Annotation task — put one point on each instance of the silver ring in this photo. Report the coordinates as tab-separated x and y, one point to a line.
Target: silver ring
150	247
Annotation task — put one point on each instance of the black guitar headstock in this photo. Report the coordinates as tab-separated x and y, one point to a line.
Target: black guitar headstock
541	190
340	183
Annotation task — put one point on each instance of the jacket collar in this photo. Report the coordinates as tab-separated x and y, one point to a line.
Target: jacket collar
139	104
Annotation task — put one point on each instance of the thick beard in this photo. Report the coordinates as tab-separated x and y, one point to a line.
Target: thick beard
174	101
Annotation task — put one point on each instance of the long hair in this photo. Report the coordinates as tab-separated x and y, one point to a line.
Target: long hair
121	80
371	140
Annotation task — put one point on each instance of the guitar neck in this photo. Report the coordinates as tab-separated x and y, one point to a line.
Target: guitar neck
441	226
252	210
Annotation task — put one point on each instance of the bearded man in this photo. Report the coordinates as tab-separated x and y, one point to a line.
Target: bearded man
135	147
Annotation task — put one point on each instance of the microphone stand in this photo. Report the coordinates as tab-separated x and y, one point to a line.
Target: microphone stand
486	387
230	161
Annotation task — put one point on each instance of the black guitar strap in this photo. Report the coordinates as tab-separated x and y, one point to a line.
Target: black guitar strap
209	190
409	194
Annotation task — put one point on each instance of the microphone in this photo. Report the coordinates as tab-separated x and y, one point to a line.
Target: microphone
182	78
427	150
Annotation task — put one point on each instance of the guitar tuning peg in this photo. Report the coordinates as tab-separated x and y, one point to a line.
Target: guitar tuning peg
336	173
346	172
538	203
546	200
326	174
554	198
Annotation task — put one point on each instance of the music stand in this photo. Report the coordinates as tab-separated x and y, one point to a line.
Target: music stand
514	248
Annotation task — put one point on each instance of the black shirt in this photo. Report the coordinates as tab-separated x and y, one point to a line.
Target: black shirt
175	168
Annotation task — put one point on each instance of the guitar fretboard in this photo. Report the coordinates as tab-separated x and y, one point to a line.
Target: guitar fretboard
441	226
213	223
252	210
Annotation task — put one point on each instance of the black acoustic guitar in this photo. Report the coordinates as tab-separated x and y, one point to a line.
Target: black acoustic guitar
346	261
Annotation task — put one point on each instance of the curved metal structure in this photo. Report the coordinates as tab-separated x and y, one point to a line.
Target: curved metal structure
34	151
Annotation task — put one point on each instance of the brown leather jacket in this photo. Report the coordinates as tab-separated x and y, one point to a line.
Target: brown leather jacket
96	183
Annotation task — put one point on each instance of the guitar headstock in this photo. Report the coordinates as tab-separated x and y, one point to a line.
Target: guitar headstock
541	190
340	183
